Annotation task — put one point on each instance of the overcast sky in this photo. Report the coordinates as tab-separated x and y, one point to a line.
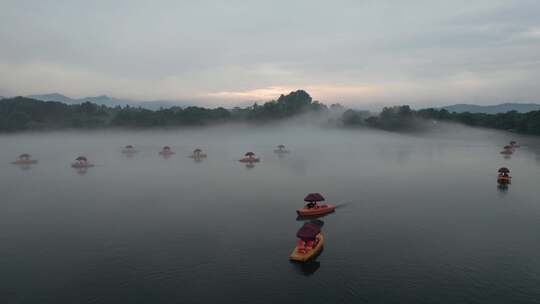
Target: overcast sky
359	53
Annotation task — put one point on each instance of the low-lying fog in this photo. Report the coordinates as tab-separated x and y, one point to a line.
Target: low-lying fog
421	219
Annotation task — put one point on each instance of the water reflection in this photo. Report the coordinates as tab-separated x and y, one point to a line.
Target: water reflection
208	243
503	188
24	167
82	170
308	268
313	218
129	151
166	152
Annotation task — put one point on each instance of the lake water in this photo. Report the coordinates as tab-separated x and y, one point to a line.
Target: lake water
420	217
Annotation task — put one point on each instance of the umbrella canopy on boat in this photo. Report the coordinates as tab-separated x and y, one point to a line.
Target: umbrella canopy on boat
281	146
309	231
513	142
504	170
314	197
81	158
24	156
197	151
166	148
249	154
129	147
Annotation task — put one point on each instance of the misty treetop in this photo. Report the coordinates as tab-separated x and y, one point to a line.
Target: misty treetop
403	118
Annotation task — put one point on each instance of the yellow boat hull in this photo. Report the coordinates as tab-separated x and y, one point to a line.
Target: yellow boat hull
299	256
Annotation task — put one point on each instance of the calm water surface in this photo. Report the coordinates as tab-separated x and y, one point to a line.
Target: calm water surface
421	219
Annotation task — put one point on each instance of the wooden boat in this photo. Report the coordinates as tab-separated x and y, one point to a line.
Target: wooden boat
504	179
166	151
310	242
249	158
129	149
81	162
306	250
281	150
25	159
316	210
198	154
312	208
514	144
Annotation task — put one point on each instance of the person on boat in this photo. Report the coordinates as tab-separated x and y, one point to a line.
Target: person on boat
312	200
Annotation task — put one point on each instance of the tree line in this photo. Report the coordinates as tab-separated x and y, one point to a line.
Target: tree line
403	118
22	113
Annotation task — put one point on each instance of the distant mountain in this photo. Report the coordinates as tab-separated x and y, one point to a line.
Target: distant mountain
494	109
53	97
110	101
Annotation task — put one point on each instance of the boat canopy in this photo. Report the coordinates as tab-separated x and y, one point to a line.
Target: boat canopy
314	197
309	231
197	150
504	170
281	146
25	156
81	158
249	154
513	142
166	148
129	147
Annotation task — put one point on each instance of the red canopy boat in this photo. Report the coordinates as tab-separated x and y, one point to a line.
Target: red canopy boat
309	244
81	162
166	151
249	157
503	177
314	209
25	159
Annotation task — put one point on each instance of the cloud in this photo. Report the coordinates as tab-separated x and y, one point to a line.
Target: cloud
355	52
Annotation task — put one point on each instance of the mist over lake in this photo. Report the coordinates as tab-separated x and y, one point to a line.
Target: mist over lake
420	217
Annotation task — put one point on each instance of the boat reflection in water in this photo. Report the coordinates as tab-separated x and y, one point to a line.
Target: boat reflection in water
198	155
81	165
310	267
129	151
166	152
25	161
503	188
24	167
81	171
